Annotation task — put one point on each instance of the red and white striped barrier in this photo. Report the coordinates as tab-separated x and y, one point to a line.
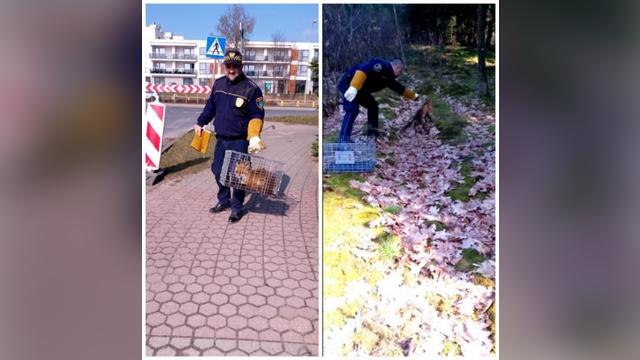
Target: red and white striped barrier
152	142
186	89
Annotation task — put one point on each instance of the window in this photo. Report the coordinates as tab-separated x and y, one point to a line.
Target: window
202	55
204	82
204	68
188	51
161	66
302	70
188	81
305	55
158	80
315	53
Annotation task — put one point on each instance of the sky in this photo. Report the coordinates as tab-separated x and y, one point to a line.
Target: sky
197	21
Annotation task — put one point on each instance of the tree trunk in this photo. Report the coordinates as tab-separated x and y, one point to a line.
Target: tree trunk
483	85
490	25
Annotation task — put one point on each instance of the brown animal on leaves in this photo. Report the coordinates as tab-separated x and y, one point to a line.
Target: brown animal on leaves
419	121
258	180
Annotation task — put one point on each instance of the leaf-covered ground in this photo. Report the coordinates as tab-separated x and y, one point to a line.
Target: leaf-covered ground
409	250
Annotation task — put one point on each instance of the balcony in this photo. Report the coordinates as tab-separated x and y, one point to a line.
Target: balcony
264	73
280	58
256	58
171	56
173	71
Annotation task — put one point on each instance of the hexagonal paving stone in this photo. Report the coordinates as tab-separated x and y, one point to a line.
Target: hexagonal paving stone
203	344
257	300
273	348
237	299
248	310
190	352
290	283
208	309
204	279
187	279
182	297
227	310
196	320
269	335
268	311
279	324
176	288
211	288
204	332
161	330
183	331
279	274
166	351
197	271
255	281
248	334
194	288
225	345
295	302
284	292
189	308
180	343
200	298
248	346
247	290
275	300
237	322
158	341
301	325
302	293
169	308
247	273
266	290
291	336
287	312
221	280
258	323
231	273
229	289
217	321
163	296
238	281
176	319
156	318
219	299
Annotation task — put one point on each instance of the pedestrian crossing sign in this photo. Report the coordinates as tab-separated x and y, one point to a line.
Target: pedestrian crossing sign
215	47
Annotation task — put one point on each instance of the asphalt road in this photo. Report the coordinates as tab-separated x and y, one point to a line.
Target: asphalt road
180	119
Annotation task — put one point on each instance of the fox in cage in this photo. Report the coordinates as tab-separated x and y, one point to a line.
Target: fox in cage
259	180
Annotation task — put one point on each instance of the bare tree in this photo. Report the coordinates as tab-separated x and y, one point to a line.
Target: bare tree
229	24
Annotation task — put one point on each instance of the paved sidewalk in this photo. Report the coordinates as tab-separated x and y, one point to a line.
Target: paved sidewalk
249	288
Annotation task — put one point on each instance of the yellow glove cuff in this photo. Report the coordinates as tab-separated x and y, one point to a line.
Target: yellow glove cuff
358	79
255	128
409	94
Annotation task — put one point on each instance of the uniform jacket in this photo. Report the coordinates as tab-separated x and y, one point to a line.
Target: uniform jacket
379	76
233	104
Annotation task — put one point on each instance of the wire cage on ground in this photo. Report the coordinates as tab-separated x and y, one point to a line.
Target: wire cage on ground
251	173
349	157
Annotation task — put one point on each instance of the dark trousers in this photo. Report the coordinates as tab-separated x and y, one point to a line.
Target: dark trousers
351	110
224	193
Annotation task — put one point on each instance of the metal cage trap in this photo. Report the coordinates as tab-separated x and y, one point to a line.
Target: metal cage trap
358	156
251	173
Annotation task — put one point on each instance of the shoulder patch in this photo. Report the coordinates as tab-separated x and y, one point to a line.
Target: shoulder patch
377	67
260	103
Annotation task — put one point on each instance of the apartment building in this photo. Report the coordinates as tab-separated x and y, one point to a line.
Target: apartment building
277	67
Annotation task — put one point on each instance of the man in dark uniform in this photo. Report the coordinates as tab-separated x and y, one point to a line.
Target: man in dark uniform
238	107
356	86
